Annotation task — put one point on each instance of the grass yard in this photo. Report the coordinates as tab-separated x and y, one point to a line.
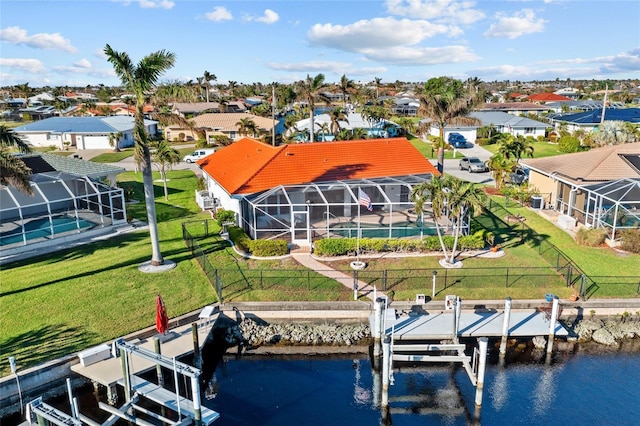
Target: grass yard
113	157
540	149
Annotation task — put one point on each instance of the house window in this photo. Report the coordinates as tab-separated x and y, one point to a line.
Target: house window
232	135
529	130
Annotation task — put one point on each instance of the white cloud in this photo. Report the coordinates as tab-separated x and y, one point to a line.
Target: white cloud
310	66
82	63
269	17
403	55
440	10
55	41
521	23
378	33
100	53
219	14
25	65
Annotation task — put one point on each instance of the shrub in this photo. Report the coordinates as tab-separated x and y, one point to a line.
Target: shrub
485	141
591	237
267	248
630	240
225	216
201	143
240	238
334	246
568	144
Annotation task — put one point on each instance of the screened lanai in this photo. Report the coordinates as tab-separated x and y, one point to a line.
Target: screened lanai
613	205
304	213
62	203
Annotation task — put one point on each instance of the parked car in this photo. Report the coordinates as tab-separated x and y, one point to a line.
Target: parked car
456	140
198	154
473	165
519	176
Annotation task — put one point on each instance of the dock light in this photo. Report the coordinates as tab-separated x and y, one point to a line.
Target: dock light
433	285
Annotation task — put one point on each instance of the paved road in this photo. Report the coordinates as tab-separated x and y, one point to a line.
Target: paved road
451	166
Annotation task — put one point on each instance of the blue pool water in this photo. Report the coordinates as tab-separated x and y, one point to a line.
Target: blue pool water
581	389
40	228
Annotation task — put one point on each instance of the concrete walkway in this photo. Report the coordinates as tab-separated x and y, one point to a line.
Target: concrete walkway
363	288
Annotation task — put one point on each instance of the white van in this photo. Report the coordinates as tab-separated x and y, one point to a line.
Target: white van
198	154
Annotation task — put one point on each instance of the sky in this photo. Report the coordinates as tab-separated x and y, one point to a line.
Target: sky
61	43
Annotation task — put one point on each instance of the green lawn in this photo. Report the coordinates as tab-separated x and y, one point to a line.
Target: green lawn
113	157
540	149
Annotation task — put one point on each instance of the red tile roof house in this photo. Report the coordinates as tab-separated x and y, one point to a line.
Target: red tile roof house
302	192
599	188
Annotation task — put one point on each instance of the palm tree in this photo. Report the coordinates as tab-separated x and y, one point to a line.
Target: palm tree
310	89
114	140
408	125
323	129
164	156
208	78
13	171
359	133
24	90
451	198
515	147
247	126
447	101
140	79
336	116
346	87
499	166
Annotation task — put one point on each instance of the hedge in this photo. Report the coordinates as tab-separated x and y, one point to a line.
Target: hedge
343	246
267	248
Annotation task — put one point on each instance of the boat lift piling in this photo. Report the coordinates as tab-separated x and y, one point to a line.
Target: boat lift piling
505	327
552	324
197	356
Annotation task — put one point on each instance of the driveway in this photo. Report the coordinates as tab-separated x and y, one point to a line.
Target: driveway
451	166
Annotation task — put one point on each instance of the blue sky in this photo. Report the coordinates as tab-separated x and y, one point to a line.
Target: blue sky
60	43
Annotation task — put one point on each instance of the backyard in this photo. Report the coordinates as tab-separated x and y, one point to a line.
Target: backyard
61	303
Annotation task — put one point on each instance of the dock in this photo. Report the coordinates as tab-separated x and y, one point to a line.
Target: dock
177	343
439	325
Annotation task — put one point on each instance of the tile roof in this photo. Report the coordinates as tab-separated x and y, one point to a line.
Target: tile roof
546	97
100	125
597	165
187	107
506	106
227	121
501	118
249	166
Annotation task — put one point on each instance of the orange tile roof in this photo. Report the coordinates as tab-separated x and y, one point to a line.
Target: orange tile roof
547	97
249	166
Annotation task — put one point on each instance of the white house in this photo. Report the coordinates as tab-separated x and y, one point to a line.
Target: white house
82	132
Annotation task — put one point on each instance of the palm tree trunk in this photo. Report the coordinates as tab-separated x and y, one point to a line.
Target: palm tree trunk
149	198
444	248
163	173
456	237
441	159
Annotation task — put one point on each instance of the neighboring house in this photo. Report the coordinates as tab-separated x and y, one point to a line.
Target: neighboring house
219	124
301	192
508	123
589	121
194	108
234	107
70	198
82	132
542	98
515	108
406	106
599	188
383	128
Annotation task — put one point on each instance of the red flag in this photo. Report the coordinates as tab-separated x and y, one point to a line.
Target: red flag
162	320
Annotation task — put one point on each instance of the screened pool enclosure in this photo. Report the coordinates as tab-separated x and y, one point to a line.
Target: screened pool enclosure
61	204
374	208
614	206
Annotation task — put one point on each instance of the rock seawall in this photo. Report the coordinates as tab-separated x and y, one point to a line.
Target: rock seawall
609	331
250	333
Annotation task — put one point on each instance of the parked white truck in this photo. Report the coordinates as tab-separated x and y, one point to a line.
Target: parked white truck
198	154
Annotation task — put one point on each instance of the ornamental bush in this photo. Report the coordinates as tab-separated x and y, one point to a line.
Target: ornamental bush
591	237
630	240
239	238
268	248
568	144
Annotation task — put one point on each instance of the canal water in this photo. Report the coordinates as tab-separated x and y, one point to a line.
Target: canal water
586	385
580	388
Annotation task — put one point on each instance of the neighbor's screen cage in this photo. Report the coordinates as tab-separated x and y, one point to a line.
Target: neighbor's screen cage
61	203
613	205
338	209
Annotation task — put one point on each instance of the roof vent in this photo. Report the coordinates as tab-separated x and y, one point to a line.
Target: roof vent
289	153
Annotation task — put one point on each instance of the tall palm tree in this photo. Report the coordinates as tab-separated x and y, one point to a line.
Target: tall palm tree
311	89
139	79
452	199
24	91
346	87
323	129
208	78
13	171
499	166
114	140
164	157
515	147
447	101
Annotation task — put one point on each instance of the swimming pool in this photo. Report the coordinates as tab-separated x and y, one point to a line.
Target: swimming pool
41	228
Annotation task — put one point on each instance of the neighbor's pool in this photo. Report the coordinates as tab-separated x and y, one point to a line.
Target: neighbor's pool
41	228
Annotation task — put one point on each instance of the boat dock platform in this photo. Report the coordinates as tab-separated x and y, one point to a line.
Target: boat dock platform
439	325
102	367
